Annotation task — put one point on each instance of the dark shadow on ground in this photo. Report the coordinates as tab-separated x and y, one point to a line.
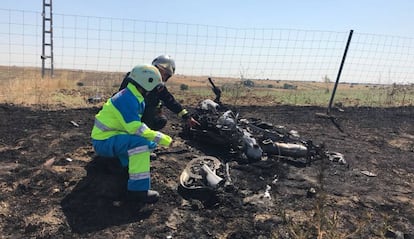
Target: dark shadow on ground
98	200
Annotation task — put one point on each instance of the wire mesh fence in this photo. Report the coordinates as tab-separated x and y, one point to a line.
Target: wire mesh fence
116	45
109	44
104	44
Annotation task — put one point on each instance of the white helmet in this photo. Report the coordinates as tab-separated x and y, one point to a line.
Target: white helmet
165	62
146	76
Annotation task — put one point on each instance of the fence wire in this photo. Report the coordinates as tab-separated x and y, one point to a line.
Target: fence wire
115	45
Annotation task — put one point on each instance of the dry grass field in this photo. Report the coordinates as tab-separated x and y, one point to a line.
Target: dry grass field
73	89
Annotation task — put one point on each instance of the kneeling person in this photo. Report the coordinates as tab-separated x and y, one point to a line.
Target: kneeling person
119	131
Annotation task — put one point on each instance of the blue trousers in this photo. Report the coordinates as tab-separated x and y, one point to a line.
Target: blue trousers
124	148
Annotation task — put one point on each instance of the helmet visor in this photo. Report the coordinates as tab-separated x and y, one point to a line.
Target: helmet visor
167	66
166	72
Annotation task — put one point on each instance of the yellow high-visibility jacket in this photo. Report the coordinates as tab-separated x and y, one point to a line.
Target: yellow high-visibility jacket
121	114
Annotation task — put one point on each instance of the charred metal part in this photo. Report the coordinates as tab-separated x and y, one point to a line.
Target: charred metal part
267	131
202	178
227	176
281	142
194	175
211	178
216	91
249	137
294	150
209	105
336	157
237	138
250	147
217	129
228	120
252	137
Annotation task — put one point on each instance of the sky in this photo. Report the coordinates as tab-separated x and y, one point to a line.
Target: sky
389	17
290	39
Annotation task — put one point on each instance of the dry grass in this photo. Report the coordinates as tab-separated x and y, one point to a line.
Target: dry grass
25	86
72	89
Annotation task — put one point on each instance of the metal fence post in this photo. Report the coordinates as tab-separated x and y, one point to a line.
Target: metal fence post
339	72
47	32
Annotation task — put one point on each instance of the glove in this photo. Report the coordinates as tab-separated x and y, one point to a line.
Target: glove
191	122
165	140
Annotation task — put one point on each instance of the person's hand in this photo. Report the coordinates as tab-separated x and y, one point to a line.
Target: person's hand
191	122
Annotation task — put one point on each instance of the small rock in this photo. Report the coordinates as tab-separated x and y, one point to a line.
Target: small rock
368	173
74	123
311	192
116	203
394	234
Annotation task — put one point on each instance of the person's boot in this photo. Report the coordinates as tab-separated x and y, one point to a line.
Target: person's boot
149	196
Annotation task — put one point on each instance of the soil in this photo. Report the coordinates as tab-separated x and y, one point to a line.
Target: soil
54	186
